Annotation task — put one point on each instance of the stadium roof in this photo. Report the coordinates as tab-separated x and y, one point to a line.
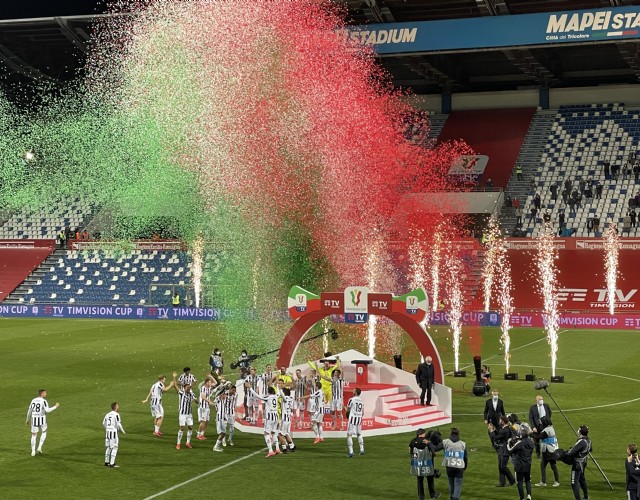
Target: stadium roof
46	40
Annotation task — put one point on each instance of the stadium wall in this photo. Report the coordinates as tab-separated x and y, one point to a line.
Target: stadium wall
627	94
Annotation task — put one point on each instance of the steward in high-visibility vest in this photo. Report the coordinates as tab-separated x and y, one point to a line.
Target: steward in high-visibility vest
175	300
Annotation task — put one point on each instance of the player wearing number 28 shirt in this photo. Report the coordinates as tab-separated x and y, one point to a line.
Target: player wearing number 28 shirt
38	409
355	412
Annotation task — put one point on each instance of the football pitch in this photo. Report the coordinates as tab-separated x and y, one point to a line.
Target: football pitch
87	364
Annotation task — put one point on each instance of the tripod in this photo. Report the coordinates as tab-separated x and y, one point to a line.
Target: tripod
574	430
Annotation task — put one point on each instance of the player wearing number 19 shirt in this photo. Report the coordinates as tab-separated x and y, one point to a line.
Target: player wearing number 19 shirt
112	425
38	409
355	412
270	418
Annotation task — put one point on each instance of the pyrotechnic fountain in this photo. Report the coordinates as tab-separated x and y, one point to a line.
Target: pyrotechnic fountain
490	259
436	257
611	250
455	272
505	300
198	257
548	271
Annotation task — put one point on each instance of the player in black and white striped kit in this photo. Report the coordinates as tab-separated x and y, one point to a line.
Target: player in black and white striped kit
251	403
355	413
316	410
270	419
204	410
157	411
186	378
284	429
221	419
337	399
300	389
230	413
186	397
38	409
112	425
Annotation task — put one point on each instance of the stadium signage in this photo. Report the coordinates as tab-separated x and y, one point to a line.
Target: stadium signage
107	312
494	32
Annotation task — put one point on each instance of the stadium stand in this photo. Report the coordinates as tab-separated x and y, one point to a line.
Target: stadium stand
94	277
582	138
45	224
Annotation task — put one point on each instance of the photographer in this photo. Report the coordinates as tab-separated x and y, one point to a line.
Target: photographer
216	362
422	450
499	437
244	363
577	456
521	448
548	447
456	461
632	465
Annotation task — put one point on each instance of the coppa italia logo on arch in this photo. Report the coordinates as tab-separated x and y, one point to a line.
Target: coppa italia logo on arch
355	297
356	304
597	298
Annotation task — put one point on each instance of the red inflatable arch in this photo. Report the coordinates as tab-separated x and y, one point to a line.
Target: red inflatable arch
412	327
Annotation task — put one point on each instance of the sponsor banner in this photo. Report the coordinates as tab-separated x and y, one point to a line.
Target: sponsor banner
16	244
332	302
127	246
380	303
106	312
581	280
536	320
571	243
596	25
413	304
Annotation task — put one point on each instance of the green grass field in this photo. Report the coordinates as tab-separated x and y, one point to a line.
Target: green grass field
87	364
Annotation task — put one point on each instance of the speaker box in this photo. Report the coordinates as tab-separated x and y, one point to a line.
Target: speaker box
559	379
460	373
511	376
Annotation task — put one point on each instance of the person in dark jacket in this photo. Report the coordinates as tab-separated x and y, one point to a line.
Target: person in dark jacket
499	437
579	454
548	446
425	379
521	448
632	466
456	461
494	409
536	412
422	450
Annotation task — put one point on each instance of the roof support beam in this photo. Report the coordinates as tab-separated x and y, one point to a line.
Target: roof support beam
526	62
70	34
20	66
630	52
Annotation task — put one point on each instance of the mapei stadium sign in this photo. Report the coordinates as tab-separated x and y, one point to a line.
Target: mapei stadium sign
489	32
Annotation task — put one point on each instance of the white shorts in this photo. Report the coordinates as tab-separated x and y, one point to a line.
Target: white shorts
252	402
221	426
285	428
337	404
298	404
318	416
185	420
354	430
270	426
111	443
204	414
231	419
157	411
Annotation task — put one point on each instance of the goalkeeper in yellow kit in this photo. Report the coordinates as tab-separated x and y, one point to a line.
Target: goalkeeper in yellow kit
325	372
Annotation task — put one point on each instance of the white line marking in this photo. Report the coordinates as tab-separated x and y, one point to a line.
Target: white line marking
514	349
205	474
603	374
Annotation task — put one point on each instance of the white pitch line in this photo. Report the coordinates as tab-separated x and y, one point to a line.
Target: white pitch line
514	349
204	474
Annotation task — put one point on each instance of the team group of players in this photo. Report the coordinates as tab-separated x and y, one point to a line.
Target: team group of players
276	397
